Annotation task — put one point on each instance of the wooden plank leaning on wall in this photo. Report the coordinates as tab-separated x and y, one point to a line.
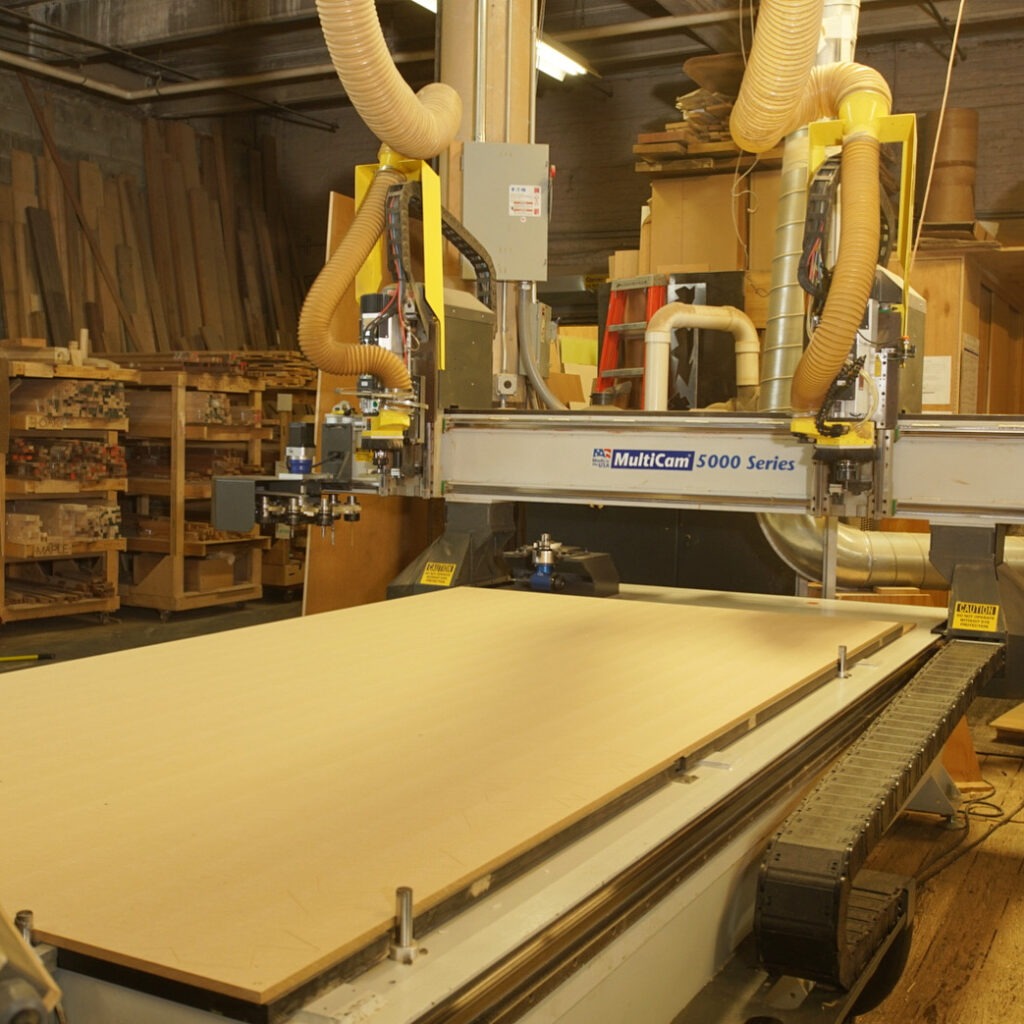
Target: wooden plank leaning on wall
364	557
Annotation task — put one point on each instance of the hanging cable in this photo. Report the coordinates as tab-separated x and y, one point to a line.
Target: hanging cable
938	133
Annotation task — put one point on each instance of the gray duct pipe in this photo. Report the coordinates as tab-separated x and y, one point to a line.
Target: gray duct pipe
864	558
784	333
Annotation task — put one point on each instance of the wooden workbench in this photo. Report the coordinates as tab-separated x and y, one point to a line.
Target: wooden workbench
236	811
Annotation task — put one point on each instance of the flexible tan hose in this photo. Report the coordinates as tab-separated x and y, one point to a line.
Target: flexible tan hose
781	92
330	286
774	83
419	126
852	281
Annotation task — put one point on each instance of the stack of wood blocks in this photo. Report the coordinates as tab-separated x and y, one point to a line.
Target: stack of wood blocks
276	369
63	582
50	523
84	462
53	402
196	257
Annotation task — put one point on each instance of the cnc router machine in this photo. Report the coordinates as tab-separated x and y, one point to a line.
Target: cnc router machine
479	803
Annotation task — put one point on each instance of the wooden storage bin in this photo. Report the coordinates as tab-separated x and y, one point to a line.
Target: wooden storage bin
176	560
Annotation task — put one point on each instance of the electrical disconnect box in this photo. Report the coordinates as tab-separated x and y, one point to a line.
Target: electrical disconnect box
505	201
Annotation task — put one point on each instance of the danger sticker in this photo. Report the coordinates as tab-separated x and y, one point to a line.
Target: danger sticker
524	201
438	574
976	617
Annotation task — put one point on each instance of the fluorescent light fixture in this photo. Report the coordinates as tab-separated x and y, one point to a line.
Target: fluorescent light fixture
556	62
552	59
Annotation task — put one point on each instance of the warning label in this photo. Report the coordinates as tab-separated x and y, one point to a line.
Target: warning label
438	574
524	201
976	617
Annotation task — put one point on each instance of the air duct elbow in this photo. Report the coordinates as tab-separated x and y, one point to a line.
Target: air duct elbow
658	340
329	288
864	558
419	125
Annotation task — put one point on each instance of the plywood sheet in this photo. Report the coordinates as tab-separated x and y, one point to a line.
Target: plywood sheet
236	811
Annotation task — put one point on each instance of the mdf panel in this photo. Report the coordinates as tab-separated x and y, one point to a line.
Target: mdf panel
236	811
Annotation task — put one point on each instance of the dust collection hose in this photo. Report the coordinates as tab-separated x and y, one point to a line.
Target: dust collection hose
330	286
781	92
416	126
419	126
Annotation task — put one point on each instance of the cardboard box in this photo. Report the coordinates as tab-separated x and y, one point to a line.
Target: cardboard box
763	207
567	387
692	225
211	573
624	263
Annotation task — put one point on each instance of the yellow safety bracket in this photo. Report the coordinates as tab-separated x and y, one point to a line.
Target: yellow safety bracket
827	136
372	275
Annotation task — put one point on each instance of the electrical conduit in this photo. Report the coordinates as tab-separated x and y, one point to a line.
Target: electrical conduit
658	340
419	126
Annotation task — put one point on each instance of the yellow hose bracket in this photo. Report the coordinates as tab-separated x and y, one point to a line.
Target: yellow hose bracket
433	252
856	435
370	277
387	423
826	137
373	274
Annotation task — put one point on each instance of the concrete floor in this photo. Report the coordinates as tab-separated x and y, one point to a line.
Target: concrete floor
81	636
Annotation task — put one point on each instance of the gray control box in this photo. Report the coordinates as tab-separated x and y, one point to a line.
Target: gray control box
505	202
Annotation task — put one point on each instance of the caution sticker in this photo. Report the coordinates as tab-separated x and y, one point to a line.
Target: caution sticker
438	574
975	617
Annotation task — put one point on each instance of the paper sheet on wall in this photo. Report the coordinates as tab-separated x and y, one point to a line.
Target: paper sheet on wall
936	384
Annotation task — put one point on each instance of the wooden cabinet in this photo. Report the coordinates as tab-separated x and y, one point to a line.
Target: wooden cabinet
974	331
63	472
186	429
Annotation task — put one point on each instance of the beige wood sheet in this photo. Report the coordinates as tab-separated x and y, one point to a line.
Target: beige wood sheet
236	811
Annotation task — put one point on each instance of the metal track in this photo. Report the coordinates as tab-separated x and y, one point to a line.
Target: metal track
818	915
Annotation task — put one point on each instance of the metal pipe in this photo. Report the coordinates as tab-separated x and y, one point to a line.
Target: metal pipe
480	85
784	333
525	317
864	558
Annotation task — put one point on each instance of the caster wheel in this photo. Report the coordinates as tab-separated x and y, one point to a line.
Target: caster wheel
165	616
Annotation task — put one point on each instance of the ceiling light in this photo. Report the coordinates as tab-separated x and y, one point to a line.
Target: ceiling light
552	59
556	62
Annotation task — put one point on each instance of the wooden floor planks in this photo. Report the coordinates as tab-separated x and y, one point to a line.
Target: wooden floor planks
968	946
236	811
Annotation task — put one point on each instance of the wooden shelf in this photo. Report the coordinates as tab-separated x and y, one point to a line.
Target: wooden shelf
65	371
21	487
19	612
160	487
170	572
42	421
192	548
63	548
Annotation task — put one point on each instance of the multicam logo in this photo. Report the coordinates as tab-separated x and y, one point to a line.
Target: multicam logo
642	458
